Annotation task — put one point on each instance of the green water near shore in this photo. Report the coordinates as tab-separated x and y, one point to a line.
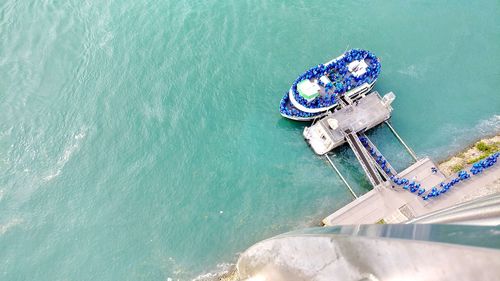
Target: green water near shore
141	140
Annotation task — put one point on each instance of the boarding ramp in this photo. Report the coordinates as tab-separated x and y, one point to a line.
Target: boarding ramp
363	157
383	166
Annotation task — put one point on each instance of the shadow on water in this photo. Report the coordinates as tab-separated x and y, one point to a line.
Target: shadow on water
291	125
348	165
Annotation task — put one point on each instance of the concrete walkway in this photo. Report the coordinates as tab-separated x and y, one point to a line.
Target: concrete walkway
385	204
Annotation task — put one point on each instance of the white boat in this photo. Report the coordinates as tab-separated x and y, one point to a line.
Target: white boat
323	87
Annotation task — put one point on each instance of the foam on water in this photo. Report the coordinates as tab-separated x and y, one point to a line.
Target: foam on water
465	136
71	147
223	272
10	224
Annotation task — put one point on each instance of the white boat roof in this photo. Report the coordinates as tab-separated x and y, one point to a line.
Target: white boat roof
308	89
357	67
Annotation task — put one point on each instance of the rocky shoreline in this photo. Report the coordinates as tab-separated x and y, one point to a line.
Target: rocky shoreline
470	155
474	153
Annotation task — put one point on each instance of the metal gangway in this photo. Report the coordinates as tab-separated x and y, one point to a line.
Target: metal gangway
364	158
348	123
374	152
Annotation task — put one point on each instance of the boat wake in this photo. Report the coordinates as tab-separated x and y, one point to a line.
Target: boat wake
411	71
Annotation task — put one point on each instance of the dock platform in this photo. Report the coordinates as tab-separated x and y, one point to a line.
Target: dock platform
361	114
385	204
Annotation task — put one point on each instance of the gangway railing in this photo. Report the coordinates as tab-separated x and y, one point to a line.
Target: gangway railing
363	157
383	166
410	151
341	176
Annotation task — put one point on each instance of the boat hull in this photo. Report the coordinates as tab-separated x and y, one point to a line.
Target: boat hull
333	80
302	116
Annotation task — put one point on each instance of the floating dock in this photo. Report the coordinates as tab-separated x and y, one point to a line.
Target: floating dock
348	124
356	115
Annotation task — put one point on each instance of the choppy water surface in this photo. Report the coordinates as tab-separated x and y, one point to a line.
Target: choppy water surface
141	140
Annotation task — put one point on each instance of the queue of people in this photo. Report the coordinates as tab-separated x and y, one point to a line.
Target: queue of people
414	187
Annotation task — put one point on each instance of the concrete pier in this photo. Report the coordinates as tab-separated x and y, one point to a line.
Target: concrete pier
385	204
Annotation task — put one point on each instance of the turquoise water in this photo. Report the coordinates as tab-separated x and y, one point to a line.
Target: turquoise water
141	140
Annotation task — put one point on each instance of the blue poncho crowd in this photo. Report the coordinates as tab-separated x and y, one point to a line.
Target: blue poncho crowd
415	187
342	81
476	169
